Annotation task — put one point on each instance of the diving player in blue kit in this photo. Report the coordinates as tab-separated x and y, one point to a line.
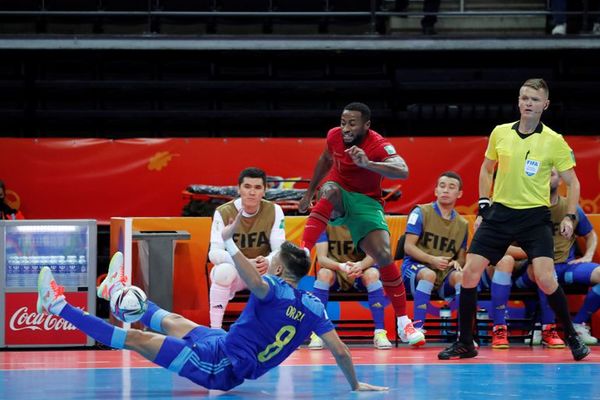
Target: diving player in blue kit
276	320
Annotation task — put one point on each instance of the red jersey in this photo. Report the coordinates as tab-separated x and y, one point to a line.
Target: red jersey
350	176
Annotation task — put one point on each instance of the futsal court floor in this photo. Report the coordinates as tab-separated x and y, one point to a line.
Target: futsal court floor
518	373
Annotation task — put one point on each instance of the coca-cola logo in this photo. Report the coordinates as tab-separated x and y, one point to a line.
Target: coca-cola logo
22	319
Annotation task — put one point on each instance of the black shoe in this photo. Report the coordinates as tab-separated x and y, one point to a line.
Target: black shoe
458	350
578	348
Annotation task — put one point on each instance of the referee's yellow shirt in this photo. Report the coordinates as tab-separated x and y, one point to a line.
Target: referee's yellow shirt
525	163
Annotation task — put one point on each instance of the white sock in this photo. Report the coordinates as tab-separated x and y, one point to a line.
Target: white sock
219	298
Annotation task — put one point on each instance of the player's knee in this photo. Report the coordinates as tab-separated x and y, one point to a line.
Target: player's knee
224	274
595	278
382	255
170	321
330	192
135	338
427	275
326	275
370	275
506	264
546	281
455	278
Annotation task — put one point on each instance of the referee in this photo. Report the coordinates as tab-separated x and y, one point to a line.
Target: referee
525	152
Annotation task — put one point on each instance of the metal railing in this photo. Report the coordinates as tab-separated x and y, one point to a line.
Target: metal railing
376	13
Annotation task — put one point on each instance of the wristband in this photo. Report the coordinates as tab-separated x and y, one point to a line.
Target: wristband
231	247
484	205
344	267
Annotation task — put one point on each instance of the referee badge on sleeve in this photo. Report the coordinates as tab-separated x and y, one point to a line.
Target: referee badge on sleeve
532	167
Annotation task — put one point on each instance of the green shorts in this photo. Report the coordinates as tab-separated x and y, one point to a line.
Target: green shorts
362	215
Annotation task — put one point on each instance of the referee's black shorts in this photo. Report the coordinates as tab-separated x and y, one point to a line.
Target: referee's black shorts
530	228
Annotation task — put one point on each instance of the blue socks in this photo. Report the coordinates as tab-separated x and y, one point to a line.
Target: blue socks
590	305
422	296
95	327
153	317
501	283
377	302
321	291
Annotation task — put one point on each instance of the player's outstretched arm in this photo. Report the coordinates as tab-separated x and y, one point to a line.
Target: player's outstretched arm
245	268
342	356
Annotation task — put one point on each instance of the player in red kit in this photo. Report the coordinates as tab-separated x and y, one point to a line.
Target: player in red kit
355	162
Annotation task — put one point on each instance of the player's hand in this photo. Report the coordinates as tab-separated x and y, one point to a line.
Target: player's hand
365	387
262	264
358	155
566	227
440	262
456	265
304	202
229	230
581	260
355	270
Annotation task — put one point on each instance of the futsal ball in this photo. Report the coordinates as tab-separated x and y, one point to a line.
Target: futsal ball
129	304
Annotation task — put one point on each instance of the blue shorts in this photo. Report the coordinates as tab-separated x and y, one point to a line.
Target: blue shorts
409	275
580	274
199	357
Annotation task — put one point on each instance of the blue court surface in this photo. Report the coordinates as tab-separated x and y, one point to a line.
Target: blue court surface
409	374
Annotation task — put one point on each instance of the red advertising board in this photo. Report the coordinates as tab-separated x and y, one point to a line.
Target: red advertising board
102	178
24	326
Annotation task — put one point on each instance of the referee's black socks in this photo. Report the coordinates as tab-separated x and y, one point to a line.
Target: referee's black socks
466	314
558	303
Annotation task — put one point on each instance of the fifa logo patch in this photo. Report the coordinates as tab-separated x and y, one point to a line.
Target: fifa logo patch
390	149
532	167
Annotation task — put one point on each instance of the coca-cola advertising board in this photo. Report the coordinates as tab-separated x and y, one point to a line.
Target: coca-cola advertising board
24	326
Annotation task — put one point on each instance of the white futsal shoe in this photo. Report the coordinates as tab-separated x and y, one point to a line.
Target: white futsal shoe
51	299
380	340
411	335
316	343
584	333
115	277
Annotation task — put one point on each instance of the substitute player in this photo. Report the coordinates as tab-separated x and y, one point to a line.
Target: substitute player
259	236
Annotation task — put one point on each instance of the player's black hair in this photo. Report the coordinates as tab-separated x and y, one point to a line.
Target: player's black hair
295	259
454	175
253	172
362	108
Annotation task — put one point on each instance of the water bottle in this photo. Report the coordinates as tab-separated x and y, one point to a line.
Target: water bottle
482	319
11	270
71	271
445	315
82	262
34	270
24	278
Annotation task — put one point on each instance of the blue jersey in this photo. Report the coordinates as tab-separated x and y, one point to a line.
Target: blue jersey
584	226
269	330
